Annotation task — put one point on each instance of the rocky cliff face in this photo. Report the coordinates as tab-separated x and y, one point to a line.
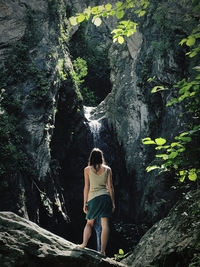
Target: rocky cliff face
174	240
35	73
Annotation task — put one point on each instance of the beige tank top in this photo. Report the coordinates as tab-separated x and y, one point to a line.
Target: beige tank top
98	184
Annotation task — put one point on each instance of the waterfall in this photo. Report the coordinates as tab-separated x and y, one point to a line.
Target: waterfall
94	125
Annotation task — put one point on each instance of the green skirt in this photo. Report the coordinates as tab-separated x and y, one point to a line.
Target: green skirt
99	207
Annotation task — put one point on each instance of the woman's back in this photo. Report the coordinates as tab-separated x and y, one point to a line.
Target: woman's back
98	182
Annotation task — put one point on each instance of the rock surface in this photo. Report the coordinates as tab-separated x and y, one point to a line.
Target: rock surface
23	243
34	60
174	240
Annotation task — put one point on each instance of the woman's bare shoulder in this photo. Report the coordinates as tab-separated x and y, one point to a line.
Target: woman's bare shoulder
86	169
107	167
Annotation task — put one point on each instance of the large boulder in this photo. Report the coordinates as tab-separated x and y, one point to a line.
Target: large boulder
24	243
174	240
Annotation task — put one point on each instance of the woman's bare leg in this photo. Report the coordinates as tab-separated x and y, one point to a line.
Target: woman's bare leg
104	234
87	233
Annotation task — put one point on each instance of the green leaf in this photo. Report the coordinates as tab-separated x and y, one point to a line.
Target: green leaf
158	88
193	54
151	168
108	7
190	41
142	13
183	134
121	252
81	18
176	144
192	176
164	156
117	31
173	155
146	139
182	41
149	142
112	12
161	147
130	32
182	179
120	14
186	139
120	40
182	173
160	141
73	21
97	21
118	4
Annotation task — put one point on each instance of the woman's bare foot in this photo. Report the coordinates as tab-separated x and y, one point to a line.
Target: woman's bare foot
81	246
103	253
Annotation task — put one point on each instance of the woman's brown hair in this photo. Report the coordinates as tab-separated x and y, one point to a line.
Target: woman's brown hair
96	159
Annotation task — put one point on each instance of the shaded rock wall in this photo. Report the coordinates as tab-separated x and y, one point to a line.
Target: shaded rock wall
35	70
174	240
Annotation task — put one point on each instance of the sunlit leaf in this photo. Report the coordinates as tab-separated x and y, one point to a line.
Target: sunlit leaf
119	4
160	141
81	18
182	41
120	14
151	168
117	31
73	21
146	139
190	41
161	147
182	179
158	88
142	13
112	12
193	54
120	40
176	144
173	155
164	156
149	142
183	134
97	21
121	252
108	7
192	176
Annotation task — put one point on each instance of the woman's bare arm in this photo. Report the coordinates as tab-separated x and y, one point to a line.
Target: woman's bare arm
111	188
86	189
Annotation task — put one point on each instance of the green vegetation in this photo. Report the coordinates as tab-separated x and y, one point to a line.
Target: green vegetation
80	70
96	84
13	158
120	255
125	27
182	155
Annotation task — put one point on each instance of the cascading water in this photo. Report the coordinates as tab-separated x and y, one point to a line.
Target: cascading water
94	125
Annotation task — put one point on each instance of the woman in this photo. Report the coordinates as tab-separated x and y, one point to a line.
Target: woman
98	197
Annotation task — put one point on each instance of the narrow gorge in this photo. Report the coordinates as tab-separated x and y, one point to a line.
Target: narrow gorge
52	115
